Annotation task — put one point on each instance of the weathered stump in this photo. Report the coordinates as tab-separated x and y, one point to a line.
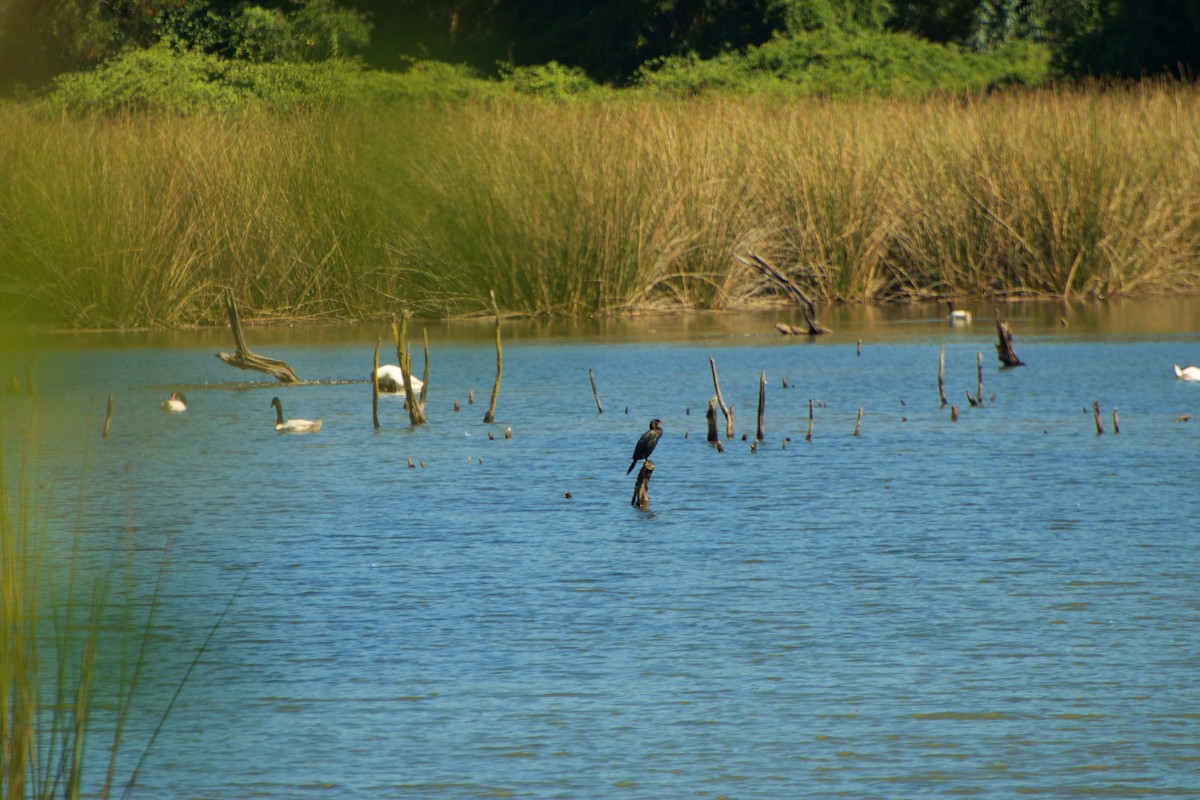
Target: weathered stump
641	488
1004	346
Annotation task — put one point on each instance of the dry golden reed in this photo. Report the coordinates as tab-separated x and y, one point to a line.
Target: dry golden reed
599	207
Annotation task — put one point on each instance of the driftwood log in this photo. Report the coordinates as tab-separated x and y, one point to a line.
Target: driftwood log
814	328
1004	346
243	358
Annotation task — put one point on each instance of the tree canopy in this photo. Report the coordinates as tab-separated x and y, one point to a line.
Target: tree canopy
610	40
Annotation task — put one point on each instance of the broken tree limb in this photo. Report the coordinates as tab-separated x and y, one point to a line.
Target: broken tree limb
793	291
711	416
1004	346
490	416
375	386
243	358
726	410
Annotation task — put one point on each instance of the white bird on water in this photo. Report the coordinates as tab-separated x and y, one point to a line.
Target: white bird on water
292	425
391	380
1187	373
958	316
176	403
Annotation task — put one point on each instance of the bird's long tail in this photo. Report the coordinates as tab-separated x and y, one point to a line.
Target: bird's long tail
631	466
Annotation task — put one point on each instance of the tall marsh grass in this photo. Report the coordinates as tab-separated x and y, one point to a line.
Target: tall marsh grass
597	206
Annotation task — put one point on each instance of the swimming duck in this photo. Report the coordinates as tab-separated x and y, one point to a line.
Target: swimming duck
1187	373
292	425
958	316
391	380
176	403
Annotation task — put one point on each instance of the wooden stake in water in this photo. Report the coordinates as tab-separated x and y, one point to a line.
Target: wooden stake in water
979	374
711	416
490	416
107	417
1116	422
954	413
595	394
942	376
858	424
375	386
1096	414
762	403
808	437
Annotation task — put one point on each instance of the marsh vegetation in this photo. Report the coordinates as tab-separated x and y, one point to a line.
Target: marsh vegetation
596	207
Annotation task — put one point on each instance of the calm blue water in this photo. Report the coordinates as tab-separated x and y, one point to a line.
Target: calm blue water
1007	604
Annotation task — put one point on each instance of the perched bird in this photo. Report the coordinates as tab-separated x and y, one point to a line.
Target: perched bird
645	445
292	425
391	380
1187	373
958	316
176	403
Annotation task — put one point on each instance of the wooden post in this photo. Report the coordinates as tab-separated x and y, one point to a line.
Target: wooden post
1116	422
979	374
243	358
954	413
107	417
762	403
808	437
711	416
858	424
942	375
641	488
726	410
375	386
1096	414
490	416
595	394
858	352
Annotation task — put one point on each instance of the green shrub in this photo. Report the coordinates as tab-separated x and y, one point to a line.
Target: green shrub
547	80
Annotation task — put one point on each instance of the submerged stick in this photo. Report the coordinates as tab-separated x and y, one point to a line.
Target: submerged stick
107	417
711	416
726	410
490	416
808	436
595	394
414	404
762	402
1096	414
858	424
641	488
1116	422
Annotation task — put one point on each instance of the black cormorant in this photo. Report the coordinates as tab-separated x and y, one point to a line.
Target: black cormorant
645	445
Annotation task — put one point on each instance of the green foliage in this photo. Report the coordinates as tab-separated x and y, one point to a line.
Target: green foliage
804	16
831	62
551	80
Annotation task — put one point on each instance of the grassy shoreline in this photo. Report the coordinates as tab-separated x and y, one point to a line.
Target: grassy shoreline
597	208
